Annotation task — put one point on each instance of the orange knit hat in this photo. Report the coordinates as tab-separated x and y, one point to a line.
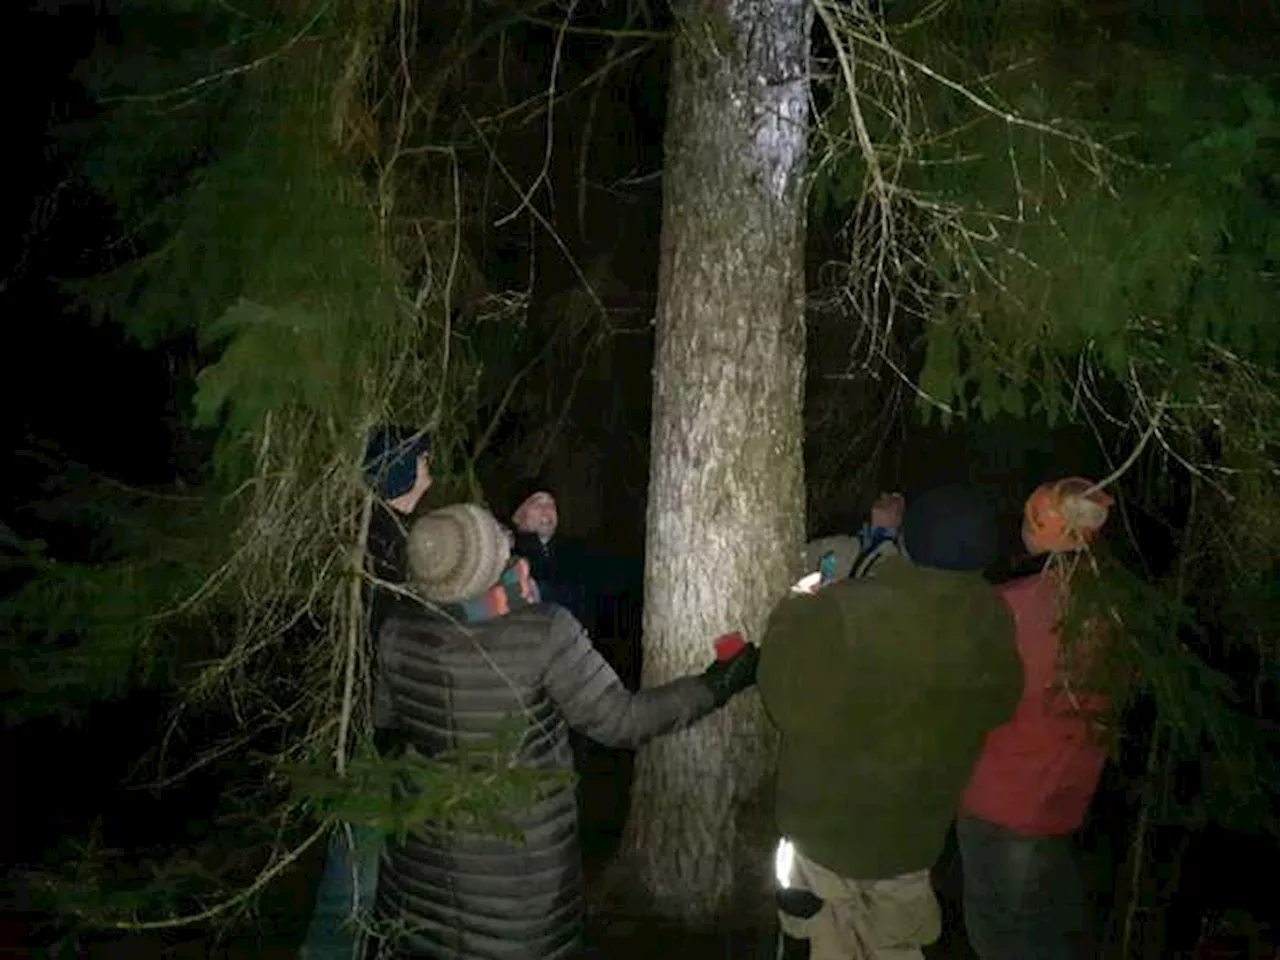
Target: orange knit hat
1064	515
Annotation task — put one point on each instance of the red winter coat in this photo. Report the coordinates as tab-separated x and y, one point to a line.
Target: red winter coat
1037	773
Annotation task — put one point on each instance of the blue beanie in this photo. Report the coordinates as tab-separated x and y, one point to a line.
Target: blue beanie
391	459
951	528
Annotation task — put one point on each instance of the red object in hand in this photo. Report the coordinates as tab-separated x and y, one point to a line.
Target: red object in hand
729	646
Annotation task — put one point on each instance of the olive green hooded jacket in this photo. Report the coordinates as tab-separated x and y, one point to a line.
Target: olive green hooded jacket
883	691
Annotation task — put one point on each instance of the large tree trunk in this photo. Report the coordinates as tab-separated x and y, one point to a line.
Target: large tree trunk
726	485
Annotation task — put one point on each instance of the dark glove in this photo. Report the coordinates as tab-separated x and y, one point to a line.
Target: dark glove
727	677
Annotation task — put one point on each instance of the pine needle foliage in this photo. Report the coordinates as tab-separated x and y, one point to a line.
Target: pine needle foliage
473	788
272	206
1080	225
79	629
270	250
1059	195
1158	649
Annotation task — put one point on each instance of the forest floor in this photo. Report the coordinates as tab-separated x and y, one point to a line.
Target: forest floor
615	930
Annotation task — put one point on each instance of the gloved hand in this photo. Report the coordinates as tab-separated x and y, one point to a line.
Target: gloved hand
733	675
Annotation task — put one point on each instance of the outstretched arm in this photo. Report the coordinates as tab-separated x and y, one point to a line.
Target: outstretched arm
596	704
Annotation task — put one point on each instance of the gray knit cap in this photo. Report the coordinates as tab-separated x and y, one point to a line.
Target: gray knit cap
457	552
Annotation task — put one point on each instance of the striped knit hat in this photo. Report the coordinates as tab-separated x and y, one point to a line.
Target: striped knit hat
457	552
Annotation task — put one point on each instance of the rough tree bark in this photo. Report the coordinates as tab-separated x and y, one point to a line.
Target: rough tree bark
726	484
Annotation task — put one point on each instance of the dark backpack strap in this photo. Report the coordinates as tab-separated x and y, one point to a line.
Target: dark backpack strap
869	559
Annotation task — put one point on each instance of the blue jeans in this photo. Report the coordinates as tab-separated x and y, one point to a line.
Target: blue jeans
1023	897
347	887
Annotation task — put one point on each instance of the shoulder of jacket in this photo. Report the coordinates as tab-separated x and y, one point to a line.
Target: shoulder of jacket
1021	584
792	609
867	564
883	576
1027	592
559	618
849	601
545	619
406	618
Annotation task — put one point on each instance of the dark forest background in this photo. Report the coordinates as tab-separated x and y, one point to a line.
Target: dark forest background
101	426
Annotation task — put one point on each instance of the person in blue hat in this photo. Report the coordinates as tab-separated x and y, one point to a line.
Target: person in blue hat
397	468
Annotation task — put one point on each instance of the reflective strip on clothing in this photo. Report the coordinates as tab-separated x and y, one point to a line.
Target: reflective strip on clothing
864	919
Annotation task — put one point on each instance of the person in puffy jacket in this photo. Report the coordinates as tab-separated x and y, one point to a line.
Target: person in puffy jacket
485	653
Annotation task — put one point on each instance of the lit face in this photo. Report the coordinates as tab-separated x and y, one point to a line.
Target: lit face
538	515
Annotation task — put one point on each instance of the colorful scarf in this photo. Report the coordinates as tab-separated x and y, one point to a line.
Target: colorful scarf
514	589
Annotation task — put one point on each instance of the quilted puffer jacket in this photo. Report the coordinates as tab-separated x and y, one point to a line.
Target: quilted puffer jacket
470	897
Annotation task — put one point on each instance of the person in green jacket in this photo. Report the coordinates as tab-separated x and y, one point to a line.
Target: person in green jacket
883	690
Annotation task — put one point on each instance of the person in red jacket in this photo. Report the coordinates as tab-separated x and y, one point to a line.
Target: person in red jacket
1036	774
